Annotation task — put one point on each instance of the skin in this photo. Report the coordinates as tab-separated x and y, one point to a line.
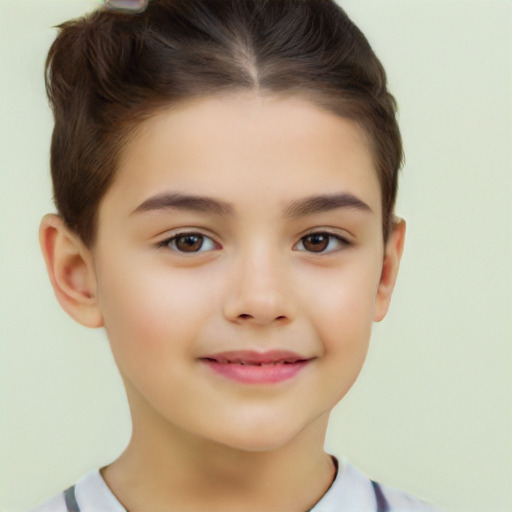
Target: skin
201	441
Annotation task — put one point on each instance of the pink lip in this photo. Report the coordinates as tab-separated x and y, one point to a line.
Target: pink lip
257	367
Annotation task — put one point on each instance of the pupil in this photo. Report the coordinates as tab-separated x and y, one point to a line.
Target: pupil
316	243
189	243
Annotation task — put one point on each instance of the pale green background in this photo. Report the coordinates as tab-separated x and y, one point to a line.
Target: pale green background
431	412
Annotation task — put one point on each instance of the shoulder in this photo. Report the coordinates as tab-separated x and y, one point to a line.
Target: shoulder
90	494
353	490
55	504
400	501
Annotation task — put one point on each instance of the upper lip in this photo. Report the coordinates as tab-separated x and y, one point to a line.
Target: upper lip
254	357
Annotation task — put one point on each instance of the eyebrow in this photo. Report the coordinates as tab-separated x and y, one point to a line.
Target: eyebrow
179	201
324	203
299	208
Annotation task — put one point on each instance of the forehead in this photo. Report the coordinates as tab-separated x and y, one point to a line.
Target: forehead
245	147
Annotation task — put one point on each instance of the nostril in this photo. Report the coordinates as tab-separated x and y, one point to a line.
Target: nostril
246	316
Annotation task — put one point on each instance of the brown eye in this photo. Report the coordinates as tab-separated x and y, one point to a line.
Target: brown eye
322	243
189	243
317	242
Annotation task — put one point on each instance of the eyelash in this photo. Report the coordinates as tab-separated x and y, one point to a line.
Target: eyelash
170	243
342	242
173	239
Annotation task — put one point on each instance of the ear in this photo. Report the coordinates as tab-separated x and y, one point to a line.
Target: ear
392	256
71	270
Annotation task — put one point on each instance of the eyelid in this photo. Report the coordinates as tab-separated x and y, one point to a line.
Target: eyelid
164	243
344	240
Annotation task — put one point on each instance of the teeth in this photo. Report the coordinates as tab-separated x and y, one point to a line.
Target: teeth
247	363
255	363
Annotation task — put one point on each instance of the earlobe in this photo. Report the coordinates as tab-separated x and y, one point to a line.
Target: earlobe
71	272
392	256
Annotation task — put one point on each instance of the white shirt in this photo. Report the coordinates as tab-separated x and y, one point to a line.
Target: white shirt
351	491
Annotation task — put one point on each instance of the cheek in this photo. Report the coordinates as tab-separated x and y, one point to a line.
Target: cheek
345	329
345	300
342	313
150	315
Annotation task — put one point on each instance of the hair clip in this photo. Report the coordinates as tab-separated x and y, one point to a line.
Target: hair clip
131	6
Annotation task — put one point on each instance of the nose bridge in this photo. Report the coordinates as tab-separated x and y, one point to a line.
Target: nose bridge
259	290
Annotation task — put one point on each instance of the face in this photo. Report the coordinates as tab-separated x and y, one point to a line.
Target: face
238	262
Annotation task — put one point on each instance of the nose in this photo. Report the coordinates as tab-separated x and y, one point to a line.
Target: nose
258	292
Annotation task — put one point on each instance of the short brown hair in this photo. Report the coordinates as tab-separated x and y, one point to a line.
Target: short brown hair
107	71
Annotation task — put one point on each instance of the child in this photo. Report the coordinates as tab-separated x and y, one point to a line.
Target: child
225	173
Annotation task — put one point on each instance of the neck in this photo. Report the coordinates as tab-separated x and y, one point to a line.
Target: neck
167	468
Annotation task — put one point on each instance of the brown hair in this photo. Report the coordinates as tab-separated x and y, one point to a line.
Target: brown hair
107	71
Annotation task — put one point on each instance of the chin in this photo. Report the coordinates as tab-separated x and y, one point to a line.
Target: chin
258	437
256	444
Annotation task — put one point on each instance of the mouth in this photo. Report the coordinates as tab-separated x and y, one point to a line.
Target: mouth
252	367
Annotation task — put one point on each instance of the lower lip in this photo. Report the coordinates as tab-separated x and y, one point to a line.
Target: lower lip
257	374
